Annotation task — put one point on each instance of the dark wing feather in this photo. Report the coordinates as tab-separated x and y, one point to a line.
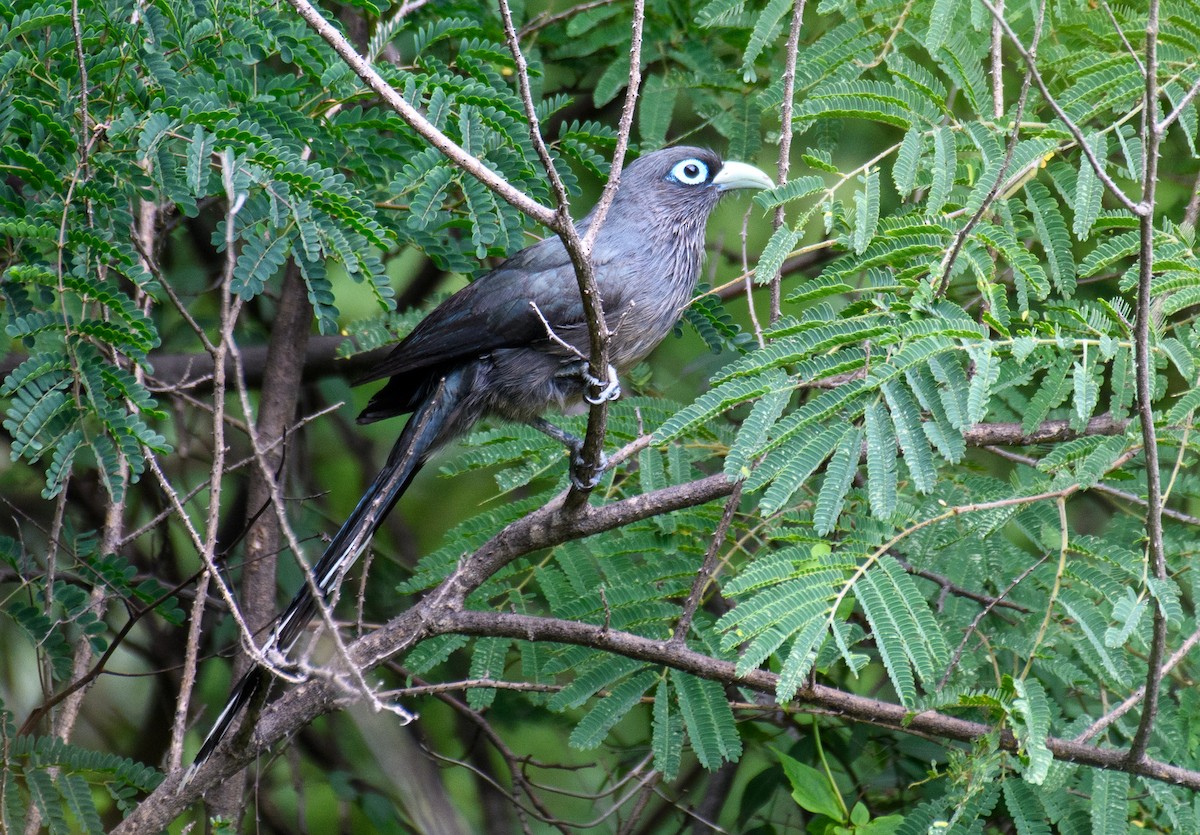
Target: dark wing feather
492	312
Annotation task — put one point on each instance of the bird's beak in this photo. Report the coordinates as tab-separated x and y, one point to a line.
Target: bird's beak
734	175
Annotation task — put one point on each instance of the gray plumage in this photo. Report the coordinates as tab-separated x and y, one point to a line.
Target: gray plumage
485	351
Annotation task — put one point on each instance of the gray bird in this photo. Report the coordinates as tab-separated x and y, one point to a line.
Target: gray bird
512	345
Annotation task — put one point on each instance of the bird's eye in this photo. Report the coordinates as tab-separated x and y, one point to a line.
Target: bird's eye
690	172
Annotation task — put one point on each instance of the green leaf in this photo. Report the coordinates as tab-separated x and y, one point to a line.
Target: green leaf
838	476
944	166
261	258
765	29
791	190
425	207
667	733
1052	391
753	433
487	662
708	719
198	161
904	172
906	417
1090	623
610	710
941	431
782	241
1052	230
1088	188
879	604
1027	812
873	100
811	789
987	371
791	465
1109	802
1127	612
866	211
655	104
713	403
613	80
881	461
1086	385
941	19
1033	708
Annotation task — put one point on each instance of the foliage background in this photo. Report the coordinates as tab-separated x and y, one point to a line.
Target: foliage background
943	596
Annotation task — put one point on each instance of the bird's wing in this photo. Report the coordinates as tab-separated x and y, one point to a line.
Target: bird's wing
495	311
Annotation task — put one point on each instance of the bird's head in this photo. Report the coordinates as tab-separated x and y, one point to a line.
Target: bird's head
685	179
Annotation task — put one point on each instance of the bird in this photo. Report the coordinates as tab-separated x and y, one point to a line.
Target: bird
514	344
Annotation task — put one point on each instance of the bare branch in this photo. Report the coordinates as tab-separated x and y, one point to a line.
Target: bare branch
1144	373
1174	115
785	140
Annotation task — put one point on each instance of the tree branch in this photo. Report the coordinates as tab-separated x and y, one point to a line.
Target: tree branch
785	143
1144	373
819	697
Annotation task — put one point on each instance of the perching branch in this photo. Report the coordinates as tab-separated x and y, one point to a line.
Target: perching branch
546	527
580	249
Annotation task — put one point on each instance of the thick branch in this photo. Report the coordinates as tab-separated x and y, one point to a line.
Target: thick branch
1049	432
544	528
824	699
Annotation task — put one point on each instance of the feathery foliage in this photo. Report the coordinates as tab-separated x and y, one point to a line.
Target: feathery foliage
939	443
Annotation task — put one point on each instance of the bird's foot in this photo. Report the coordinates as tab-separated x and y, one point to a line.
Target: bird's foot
579	466
610	389
574	445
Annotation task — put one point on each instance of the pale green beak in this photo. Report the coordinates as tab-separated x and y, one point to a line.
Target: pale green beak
735	175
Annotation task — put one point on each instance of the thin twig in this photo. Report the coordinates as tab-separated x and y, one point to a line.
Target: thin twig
785	139
946	267
1107	490
544	19
709	566
1144	373
1171	117
1135	698
953	588
1063	543
998	601
1097	165
998	66
1121	34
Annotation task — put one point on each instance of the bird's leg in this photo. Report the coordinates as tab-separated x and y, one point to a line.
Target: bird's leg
575	445
610	389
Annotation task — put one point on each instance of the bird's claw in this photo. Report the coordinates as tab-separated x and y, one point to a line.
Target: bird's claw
610	389
578	464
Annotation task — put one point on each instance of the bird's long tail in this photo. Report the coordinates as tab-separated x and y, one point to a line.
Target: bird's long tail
427	428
